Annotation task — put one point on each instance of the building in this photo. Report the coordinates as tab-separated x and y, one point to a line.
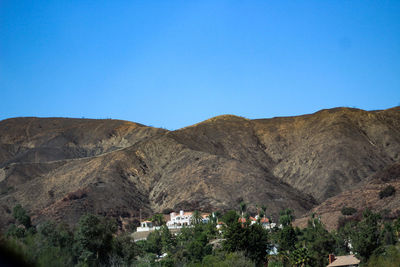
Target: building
263	221
205	217
180	219
348	261
146	226
185	219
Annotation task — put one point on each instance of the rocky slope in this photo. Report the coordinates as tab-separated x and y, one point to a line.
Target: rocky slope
61	168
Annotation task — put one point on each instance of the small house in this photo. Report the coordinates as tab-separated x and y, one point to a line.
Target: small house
344	261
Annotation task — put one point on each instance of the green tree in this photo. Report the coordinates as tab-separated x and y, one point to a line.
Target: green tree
318	241
286	217
217	215
230	217
167	240
301	257
158	219
252	240
287	239
154	243
22	217
93	239
365	237
257	244
388	236
14	231
396	228
125	249
55	235
263	212
243	208
196	217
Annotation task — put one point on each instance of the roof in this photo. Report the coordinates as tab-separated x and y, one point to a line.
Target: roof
344	261
243	220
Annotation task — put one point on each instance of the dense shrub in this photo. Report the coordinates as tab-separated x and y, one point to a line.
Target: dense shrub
387	192
348	210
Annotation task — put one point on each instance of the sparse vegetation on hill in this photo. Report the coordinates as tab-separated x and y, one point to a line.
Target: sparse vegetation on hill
387	192
348	210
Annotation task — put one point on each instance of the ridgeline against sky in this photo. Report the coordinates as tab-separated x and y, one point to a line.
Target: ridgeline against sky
174	63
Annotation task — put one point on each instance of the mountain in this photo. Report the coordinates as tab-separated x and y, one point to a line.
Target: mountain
61	168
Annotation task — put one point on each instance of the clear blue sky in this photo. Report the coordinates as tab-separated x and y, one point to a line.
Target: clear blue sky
174	63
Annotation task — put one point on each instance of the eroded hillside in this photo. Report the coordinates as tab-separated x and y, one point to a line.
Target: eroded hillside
61	168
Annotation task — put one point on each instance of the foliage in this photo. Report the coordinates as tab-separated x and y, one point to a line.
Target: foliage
230	217
93	239
196	217
318	241
243	206
227	260
253	240
125	250
388	236
21	216
387	191
365	236
348	211
301	257
158	219
287	239
390	257
94	242
15	232
153	244
286	217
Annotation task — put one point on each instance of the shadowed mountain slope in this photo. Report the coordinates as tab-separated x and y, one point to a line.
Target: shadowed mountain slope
61	168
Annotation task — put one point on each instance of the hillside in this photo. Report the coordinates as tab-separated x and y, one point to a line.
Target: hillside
61	168
366	195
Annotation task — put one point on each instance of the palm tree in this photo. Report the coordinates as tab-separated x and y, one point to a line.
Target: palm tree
264	209
196	217
217	215
243	207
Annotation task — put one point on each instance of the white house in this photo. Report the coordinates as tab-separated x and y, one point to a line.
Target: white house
145	226
180	219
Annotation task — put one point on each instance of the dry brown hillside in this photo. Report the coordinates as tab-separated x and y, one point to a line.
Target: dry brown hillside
60	168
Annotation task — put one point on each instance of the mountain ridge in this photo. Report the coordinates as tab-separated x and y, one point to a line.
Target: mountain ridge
61	168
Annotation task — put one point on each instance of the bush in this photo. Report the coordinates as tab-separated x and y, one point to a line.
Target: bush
167	211
387	192
348	211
